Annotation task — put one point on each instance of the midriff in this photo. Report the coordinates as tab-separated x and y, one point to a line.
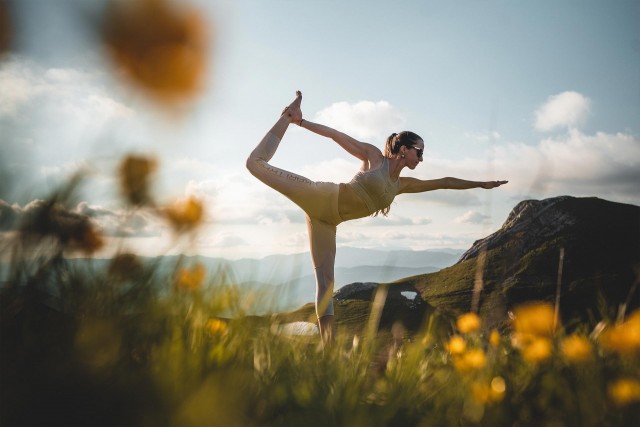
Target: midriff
350	205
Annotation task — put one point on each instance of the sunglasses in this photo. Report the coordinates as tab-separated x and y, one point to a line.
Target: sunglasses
419	151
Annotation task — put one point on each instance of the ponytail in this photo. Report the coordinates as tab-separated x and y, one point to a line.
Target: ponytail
390	145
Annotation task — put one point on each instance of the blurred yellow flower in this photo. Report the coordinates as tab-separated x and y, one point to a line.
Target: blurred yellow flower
521	340
160	45
191	279
534	318
85	238
538	350
576	348
480	392
471	360
623	338
135	172
498	388
494	338
216	327
73	231
488	393
456	345
185	214
468	322
624	391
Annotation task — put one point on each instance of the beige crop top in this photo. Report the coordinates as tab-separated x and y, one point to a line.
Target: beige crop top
375	187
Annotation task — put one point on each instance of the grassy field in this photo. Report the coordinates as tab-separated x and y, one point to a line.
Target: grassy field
105	348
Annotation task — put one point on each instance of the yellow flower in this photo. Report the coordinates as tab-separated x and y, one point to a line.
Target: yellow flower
494	338
160	45
488	393
191	279
576	348
456	345
624	391
480	392
186	214
472	360
521	340
85	238
135	172
468	322
534	318
498	387
623	338
216	327
538	350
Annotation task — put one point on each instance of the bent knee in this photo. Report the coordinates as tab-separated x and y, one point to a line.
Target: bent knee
253	163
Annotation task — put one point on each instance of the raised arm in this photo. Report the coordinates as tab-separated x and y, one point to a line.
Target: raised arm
415	185
361	150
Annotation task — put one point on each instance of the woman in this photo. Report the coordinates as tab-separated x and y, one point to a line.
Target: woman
327	204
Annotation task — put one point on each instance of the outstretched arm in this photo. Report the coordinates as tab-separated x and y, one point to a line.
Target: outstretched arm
414	185
358	149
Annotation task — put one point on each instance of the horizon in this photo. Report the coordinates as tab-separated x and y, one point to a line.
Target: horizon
543	95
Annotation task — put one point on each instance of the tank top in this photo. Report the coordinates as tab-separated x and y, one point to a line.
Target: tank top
375	187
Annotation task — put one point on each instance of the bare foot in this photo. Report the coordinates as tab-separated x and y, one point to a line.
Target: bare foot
293	111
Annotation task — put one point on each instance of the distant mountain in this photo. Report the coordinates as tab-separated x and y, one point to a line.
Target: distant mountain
286	280
599	273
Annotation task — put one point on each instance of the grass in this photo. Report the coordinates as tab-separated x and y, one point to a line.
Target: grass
95	349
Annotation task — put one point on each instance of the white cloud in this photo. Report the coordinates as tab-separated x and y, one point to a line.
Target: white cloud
17	86
364	120
72	94
602	165
471	217
567	109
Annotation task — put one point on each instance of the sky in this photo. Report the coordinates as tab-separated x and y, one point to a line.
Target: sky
543	94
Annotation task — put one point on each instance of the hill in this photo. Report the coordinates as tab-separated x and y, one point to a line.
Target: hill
598	272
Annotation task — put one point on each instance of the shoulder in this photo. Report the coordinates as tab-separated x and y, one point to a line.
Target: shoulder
374	158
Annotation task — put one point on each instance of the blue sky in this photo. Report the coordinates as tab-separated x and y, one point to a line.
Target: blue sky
545	94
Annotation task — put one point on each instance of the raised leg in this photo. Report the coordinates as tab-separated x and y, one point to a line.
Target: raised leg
269	143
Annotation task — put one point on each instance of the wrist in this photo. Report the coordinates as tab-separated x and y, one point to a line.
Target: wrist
300	124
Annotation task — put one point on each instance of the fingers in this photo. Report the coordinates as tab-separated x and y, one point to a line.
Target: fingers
493	184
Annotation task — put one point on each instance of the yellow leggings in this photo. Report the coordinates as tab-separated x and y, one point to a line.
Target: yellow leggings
319	201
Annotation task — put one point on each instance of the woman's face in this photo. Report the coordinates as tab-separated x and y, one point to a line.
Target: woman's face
413	155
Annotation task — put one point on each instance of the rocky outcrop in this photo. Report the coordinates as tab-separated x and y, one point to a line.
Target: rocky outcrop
529	223
590	246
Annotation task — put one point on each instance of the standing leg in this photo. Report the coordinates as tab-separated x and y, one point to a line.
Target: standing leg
322	238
